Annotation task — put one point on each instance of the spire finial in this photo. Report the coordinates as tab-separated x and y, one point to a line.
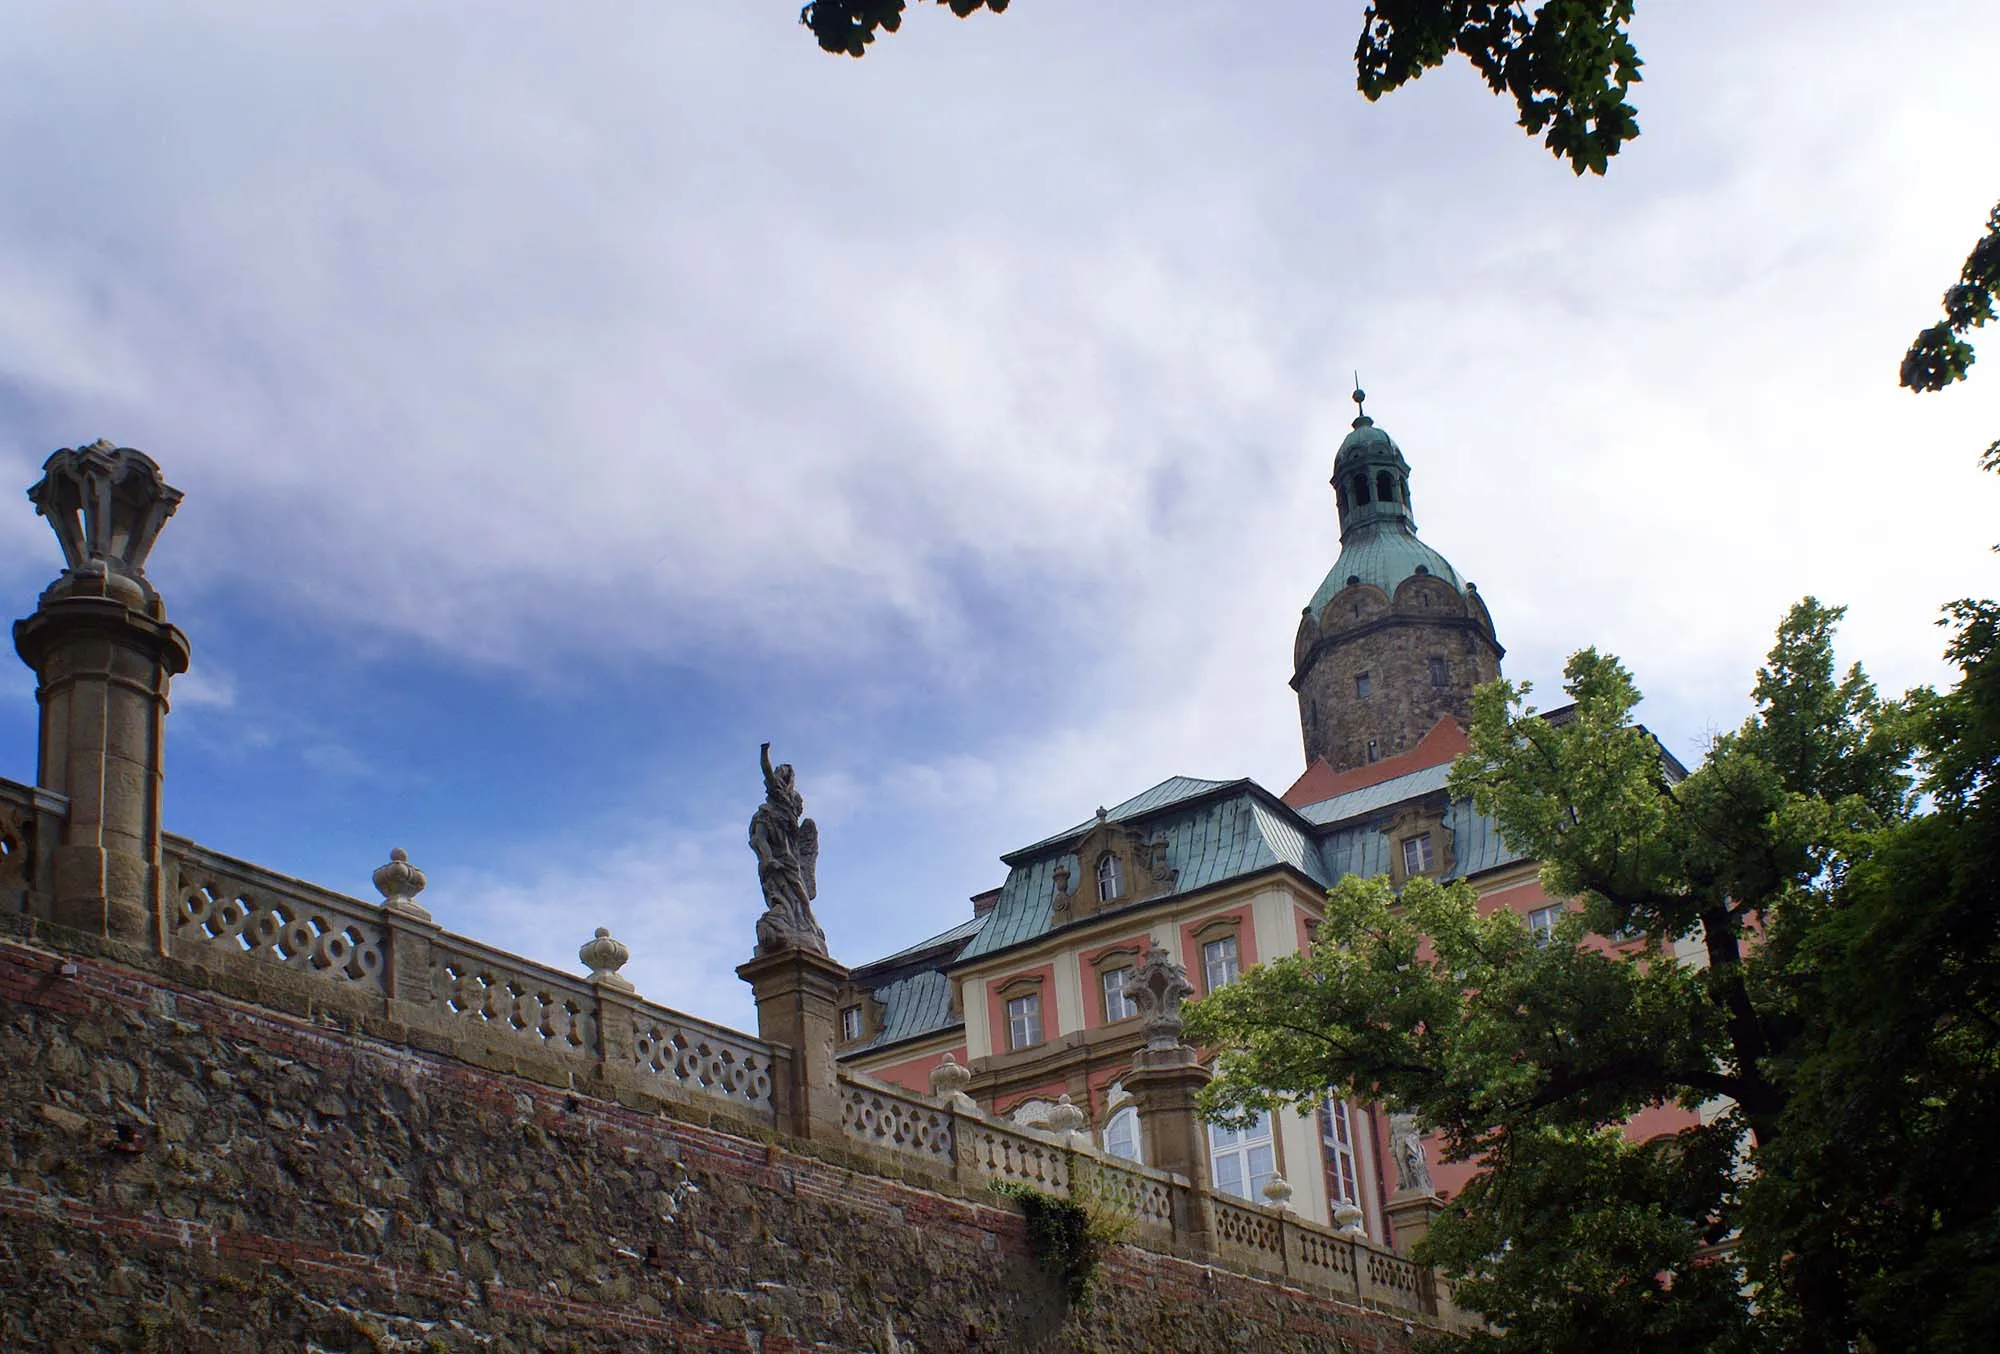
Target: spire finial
1361	419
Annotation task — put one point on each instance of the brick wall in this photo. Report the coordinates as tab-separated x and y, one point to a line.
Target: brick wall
182	1169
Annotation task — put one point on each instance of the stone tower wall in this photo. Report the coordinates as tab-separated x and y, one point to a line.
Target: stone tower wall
1363	630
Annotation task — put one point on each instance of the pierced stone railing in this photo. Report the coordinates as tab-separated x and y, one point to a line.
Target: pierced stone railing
218	907
222	912
693	1055
30	825
996	1153
1252	1229
506	995
1147	1197
877	1115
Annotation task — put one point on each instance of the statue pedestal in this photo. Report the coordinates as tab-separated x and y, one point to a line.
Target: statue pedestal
797	992
1410	1215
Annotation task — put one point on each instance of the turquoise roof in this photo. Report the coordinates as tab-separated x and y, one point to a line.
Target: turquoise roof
1228	835
1383	555
911	1007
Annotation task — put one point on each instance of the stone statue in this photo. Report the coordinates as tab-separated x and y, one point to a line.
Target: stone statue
787	850
1161	986
1406	1145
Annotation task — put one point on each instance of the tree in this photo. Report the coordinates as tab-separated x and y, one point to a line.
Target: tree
1845	1003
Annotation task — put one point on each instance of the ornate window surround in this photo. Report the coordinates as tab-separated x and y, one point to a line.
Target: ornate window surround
1416	822
1141	864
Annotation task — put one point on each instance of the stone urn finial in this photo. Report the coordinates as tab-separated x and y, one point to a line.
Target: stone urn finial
604	957
948	1082
1347	1220
106	505
1159	987
399	883
1278	1193
1065	1118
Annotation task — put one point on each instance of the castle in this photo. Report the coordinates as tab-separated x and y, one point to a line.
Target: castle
1034	992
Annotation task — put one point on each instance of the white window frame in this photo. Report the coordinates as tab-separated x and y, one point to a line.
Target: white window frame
1024	1020
1417	855
1336	1142
850	1023
1542	923
1221	955
1117	987
1121	1134
1241	1160
1110	878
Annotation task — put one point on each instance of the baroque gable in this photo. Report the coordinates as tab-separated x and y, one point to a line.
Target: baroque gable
1116	865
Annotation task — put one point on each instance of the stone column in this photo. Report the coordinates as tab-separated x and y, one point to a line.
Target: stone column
797	991
103	653
1166	1076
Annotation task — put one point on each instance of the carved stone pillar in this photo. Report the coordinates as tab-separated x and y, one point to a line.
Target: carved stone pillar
1166	1077
797	993
103	653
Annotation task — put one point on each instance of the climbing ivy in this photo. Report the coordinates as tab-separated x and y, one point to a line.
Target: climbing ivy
1068	1236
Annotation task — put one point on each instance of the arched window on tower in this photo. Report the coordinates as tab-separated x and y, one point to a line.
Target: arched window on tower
1358	489
1385	486
1109	883
1340	498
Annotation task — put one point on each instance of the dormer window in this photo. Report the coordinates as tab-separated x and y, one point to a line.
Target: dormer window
1417	856
850	1024
1110	880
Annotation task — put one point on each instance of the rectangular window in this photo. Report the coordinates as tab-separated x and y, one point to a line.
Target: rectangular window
1118	1002
1373	755
1440	672
1218	963
1542	922
850	1023
1336	1140
1024	1021
1417	854
1240	1160
1361	684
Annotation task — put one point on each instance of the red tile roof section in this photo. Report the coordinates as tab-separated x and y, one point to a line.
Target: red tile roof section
1320	781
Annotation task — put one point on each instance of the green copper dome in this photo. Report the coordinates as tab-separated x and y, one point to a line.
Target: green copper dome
1378	531
1383	555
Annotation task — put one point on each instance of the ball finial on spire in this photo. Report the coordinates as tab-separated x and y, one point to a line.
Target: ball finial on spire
1361	419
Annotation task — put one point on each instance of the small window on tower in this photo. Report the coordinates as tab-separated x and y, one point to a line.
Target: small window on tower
1360	490
1361	684
1440	672
1385	487
1373	754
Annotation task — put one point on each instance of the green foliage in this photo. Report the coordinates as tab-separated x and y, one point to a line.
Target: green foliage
1940	354
848	26
1069	1236
1842	1030
1569	64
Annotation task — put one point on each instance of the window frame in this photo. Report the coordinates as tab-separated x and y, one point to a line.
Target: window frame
1426	858
1241	1146
1542	922
1211	951
853	1023
1122	990
1126	1114
1110	871
1024	1012
1338	1151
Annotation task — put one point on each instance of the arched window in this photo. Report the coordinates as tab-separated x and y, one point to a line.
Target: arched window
1340	498
1121	1135
1109	882
1359	489
1385	486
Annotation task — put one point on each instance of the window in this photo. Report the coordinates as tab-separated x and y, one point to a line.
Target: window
1121	1135
850	1023
1417	858
1024	1021
1336	1141
1219	965
1360	491
1361	684
1542	922
1373	755
1240	1159
1118	1002
1440	672
1110	882
1385	486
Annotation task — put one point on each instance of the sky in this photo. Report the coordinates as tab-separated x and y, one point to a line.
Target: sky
568	399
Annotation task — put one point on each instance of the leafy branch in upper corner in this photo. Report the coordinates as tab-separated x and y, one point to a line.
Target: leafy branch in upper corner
1940	354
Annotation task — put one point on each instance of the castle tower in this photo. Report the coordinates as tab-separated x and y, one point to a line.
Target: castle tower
103	652
1394	639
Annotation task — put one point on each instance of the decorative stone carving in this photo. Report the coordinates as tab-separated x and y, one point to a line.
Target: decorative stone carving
787	849
1278	1193
1139	870
1161	986
399	883
106	505
604	957
1348	1220
948	1082
1406	1145
1065	1118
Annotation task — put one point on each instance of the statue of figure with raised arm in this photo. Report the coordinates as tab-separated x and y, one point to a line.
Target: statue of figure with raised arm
787	850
